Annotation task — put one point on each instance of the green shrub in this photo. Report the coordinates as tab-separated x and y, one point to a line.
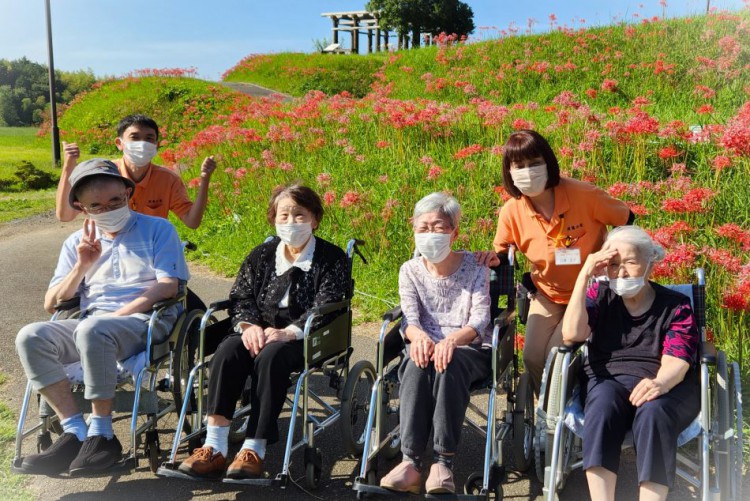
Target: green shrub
32	178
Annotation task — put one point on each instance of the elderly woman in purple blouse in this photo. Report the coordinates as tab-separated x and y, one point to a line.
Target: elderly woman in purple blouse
446	307
640	372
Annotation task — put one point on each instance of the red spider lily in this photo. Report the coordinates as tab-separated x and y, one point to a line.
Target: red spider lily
350	198
723	258
329	197
677	260
737	133
609	85
194	183
382	144
521	124
485	225
474	149
500	190
734	232
434	173
666	234
721	162
693	201
678	169
735	301
669	152
705	109
617	190
592	93
704	92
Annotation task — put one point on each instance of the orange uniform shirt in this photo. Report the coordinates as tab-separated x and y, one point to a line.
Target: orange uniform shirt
582	213
160	191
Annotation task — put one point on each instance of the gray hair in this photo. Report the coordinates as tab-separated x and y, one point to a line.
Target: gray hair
638	238
439	202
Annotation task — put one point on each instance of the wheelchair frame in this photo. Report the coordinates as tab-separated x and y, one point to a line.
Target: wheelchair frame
330	364
720	419
143	402
487	482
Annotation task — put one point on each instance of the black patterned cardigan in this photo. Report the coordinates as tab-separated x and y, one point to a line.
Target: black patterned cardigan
257	290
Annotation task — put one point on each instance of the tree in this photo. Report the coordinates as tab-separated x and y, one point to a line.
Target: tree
423	16
24	90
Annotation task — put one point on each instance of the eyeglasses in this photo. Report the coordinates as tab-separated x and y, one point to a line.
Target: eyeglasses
433	228
115	204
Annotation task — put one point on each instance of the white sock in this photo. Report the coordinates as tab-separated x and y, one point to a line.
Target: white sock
218	438
256	444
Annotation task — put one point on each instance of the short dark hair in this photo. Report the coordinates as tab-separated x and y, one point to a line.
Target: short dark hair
137	119
304	196
525	144
95	180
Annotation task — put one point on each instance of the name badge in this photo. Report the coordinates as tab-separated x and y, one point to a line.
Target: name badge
565	257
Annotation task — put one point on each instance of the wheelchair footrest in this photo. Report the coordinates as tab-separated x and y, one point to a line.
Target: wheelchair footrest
124	400
376	490
169	470
262	482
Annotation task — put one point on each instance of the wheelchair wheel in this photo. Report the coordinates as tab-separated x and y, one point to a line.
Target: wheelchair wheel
473	487
313	467
152	450
523	424
355	405
724	416
183	362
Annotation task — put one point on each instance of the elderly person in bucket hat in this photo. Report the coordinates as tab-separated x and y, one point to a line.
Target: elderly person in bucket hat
120	264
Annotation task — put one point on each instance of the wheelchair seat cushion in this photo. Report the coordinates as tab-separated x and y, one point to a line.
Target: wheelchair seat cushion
574	421
127	370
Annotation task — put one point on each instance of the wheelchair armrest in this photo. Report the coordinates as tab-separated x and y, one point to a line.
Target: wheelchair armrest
68	304
160	305
221	305
504	318
393	314
570	348
707	352
329	307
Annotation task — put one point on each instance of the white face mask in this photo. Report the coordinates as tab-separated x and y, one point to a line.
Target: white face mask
295	234
627	287
112	221
139	153
435	247
530	180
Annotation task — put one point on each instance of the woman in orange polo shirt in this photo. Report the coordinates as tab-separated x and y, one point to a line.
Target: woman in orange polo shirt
556	222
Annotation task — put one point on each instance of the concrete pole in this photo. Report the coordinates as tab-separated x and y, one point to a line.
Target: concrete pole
52	90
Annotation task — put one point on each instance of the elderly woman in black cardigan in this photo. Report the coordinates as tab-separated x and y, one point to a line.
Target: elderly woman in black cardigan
279	282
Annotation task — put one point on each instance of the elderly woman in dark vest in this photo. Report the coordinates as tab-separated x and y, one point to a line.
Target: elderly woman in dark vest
277	285
640	370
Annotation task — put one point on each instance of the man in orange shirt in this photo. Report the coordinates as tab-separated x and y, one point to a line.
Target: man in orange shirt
157	189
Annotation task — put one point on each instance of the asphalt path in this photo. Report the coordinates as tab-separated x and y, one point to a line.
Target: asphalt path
28	253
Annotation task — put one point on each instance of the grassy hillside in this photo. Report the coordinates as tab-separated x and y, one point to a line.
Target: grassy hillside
658	114
181	106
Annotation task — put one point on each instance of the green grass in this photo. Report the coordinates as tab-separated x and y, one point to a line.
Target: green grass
22	143
12	486
25	204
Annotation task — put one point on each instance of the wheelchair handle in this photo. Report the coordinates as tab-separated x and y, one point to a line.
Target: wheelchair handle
352	247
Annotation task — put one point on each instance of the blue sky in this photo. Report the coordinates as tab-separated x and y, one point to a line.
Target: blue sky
115	37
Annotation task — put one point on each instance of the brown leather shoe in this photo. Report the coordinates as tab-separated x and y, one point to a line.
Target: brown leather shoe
204	463
246	464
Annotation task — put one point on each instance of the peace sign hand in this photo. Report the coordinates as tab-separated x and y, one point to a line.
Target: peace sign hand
90	248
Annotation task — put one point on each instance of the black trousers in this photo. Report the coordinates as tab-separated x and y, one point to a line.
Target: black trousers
655	424
270	378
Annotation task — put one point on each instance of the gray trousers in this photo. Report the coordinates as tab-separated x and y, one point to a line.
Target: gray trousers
438	401
98	341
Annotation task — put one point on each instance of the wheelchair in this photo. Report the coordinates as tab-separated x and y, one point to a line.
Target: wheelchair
381	432
709	453
327	352
150	386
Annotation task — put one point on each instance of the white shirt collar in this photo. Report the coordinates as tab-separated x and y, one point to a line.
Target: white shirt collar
303	261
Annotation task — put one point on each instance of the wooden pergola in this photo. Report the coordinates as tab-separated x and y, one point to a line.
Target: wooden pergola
357	22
